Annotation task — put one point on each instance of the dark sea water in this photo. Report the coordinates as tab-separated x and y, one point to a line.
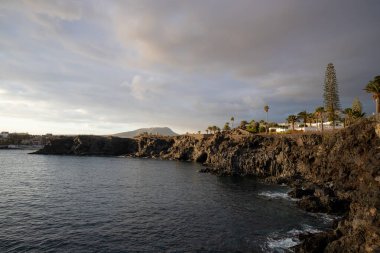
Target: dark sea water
101	204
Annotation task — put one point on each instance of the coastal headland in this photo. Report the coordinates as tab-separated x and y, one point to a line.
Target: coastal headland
336	173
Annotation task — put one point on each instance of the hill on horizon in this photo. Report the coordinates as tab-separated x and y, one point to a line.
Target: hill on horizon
165	131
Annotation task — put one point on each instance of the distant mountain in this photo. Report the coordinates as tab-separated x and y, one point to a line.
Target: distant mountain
153	130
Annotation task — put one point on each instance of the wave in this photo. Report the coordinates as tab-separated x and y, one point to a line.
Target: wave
326	218
305	229
283	242
275	195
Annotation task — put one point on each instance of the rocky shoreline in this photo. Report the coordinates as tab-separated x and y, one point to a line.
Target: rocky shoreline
336	173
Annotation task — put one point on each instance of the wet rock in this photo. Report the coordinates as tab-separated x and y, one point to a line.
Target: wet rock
315	243
299	193
205	170
312	204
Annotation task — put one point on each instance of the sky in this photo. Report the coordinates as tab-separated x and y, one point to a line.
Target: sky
102	67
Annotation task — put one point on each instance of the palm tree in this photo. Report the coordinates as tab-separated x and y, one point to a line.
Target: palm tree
243	124
357	115
374	88
303	115
232	121
214	129
292	119
311	118
207	131
320	113
226	126
266	109
348	112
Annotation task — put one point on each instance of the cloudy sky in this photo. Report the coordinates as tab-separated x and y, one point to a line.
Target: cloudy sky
102	67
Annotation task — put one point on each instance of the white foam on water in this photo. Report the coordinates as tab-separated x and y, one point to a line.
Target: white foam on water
305	229
295	232
275	195
283	243
310	229
327	218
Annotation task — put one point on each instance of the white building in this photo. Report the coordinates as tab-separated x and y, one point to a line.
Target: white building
4	135
318	126
278	129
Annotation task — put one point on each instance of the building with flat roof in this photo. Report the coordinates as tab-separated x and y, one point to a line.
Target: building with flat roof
4	135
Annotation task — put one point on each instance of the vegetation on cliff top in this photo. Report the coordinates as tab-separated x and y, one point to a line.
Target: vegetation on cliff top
374	88
330	111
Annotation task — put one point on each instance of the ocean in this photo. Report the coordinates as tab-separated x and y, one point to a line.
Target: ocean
111	204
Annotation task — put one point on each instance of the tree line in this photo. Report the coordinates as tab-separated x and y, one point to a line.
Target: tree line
330	111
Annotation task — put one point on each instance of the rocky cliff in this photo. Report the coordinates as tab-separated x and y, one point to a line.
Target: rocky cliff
89	145
335	172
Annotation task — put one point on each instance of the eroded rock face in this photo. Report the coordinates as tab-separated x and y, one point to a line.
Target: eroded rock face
153	147
315	243
90	145
61	146
334	173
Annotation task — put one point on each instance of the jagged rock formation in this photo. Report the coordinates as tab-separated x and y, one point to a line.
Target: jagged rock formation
89	145
347	169
334	173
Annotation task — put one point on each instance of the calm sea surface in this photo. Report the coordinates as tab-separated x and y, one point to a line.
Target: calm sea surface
101	204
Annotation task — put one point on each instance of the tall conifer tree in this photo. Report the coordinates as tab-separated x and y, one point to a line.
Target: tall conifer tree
331	94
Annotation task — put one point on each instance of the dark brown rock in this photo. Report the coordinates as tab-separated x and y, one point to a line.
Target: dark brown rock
90	145
315	243
299	193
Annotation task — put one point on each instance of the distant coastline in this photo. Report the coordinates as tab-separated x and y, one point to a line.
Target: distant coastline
24	147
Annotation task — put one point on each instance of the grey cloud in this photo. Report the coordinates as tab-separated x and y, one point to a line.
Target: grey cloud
111	64
252	37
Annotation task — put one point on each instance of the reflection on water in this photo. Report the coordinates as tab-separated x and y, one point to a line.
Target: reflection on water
122	204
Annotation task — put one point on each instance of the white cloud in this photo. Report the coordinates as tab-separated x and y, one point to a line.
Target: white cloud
143	88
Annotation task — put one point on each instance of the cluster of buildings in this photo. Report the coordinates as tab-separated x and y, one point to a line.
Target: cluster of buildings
23	140
4	135
313	127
